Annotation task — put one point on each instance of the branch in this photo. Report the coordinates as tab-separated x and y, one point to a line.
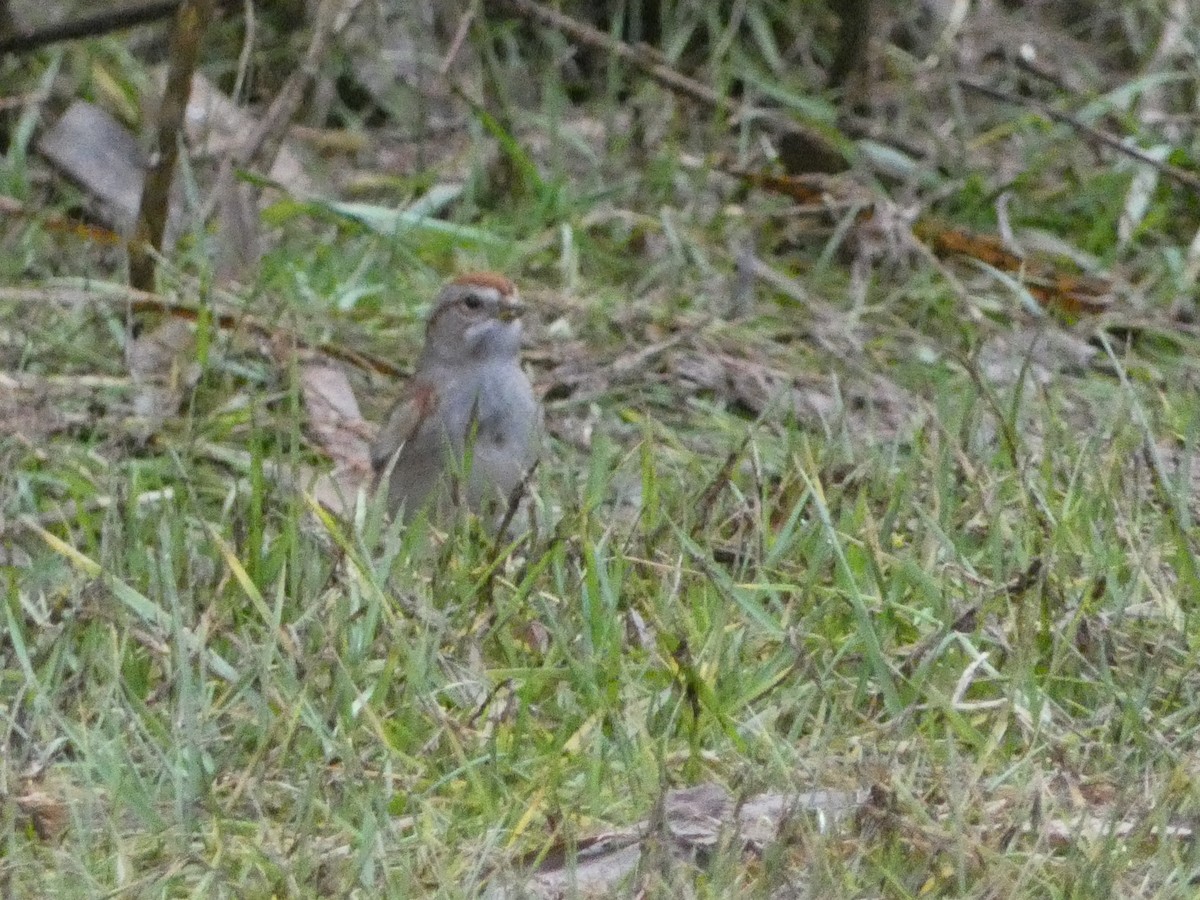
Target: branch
1180	176
263	143
191	17
651	64
95	25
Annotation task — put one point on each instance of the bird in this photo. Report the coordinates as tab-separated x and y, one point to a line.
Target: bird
466	427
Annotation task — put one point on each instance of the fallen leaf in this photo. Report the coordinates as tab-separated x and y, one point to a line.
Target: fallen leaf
217	127
875	406
102	157
48	814
338	428
337	491
1036	353
333	415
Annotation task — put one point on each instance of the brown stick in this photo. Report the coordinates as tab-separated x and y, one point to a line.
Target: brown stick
8	27
100	23
190	21
142	302
653	66
264	142
1112	142
641	60
854	37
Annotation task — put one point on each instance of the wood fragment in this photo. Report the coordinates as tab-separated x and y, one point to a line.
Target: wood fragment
190	21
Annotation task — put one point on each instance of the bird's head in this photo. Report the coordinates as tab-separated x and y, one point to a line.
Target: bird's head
476	316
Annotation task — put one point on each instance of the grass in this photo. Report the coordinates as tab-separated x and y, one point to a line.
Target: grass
887	567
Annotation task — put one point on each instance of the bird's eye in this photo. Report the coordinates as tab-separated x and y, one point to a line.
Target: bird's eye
471	301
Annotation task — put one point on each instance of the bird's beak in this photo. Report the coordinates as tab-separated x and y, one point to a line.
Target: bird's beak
511	308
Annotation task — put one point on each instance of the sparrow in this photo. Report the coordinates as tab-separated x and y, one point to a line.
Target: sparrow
465	429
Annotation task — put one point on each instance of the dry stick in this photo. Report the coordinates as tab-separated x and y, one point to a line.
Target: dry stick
639	59
190	20
262	146
651	64
1176	174
460	35
854	36
142	302
95	25
514	503
265	140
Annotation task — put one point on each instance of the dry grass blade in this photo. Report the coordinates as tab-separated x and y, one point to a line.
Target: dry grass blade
90	26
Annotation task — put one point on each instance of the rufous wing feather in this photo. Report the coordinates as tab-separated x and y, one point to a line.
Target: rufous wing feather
416	404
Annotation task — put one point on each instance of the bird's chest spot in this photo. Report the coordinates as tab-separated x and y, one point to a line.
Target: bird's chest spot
487	409
493	426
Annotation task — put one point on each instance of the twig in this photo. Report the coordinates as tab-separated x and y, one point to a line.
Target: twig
7	26
1111	141
190	20
514	503
854	36
136	301
264	142
68	510
460	35
652	65
640	59
95	25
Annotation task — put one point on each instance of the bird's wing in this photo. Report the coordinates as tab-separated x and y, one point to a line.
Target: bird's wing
418	401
